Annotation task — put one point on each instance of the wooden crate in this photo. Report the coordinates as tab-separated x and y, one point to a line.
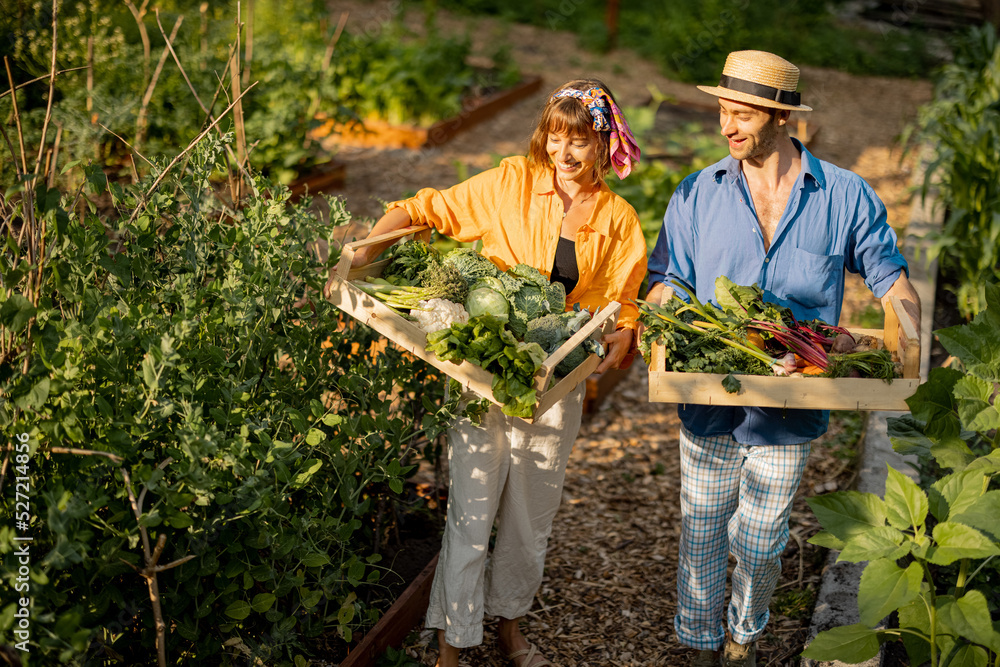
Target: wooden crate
800	391
369	310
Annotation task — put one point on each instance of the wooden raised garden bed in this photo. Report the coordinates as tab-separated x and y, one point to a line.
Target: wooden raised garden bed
369	310
376	132
397	621
898	336
324	177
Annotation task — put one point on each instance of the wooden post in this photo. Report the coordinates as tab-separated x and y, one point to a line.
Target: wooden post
991	11
612	23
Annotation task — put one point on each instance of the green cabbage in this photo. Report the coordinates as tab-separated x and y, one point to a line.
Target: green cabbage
486	301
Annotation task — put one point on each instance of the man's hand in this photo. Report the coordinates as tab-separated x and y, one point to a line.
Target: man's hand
618	344
903	289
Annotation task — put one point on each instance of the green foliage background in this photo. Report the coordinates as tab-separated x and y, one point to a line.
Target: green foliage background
691	38
256	432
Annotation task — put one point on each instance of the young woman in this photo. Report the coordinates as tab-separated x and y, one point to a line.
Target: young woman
551	210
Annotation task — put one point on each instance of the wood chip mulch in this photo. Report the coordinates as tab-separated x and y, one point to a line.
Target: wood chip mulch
608	595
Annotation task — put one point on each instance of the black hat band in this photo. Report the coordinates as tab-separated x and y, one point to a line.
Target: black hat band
789	97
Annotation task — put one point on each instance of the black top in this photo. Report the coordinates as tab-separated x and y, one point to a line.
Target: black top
564	268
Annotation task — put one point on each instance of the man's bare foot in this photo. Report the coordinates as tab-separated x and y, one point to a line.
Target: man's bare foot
447	654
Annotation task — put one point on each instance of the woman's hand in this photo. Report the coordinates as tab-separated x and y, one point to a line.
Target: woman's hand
396	218
360	258
618	344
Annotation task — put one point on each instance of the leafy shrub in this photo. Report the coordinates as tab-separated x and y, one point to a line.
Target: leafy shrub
304	67
931	551
961	128
186	407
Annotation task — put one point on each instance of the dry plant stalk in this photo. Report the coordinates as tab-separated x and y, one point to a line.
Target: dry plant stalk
207	111
159	179
139	14
248	55
152	567
140	123
234	81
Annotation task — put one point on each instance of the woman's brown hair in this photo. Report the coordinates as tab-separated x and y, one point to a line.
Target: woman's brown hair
569	115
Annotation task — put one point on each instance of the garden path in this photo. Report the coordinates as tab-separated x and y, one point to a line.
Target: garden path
608	594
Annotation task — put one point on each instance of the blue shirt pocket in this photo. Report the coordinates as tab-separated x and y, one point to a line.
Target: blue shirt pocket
811	285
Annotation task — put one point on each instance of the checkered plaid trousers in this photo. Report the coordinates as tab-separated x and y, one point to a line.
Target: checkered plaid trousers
734	499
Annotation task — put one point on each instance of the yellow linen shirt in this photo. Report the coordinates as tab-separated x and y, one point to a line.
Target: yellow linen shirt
516	213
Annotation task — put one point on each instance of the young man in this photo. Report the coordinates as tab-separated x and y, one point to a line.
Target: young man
772	214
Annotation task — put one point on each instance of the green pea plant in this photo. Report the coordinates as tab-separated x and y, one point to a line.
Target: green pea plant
932	545
210	445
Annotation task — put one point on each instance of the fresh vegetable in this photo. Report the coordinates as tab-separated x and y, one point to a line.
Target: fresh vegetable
437	281
437	314
473	266
486	342
486	301
551	331
408	260
748	335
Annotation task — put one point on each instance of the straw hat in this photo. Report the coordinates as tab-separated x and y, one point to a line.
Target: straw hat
761	78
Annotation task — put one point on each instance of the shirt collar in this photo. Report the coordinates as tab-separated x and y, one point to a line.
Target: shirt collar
601	220
811	166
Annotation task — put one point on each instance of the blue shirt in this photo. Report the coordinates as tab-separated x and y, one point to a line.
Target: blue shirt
833	222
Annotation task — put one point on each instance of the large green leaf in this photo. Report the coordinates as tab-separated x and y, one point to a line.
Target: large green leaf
907	436
952	452
906	504
966	655
239	610
969	616
990	463
848	513
914	618
983	514
849	643
955	493
953	541
977	343
262	602
16	312
974	407
881	542
827	540
885	587
933	403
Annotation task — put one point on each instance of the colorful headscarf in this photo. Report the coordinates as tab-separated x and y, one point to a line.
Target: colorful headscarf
608	118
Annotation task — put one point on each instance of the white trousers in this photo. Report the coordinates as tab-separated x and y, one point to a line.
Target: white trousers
511	471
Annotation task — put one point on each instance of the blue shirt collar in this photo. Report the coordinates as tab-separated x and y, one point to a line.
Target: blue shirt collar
810	167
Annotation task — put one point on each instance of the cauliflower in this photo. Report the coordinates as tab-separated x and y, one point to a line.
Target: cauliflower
437	314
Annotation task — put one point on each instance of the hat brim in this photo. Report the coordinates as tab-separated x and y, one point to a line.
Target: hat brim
750	99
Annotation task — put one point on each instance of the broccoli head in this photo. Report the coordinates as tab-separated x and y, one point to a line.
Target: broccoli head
551	331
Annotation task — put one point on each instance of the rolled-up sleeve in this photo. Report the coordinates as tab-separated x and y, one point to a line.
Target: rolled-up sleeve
463	211
874	253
